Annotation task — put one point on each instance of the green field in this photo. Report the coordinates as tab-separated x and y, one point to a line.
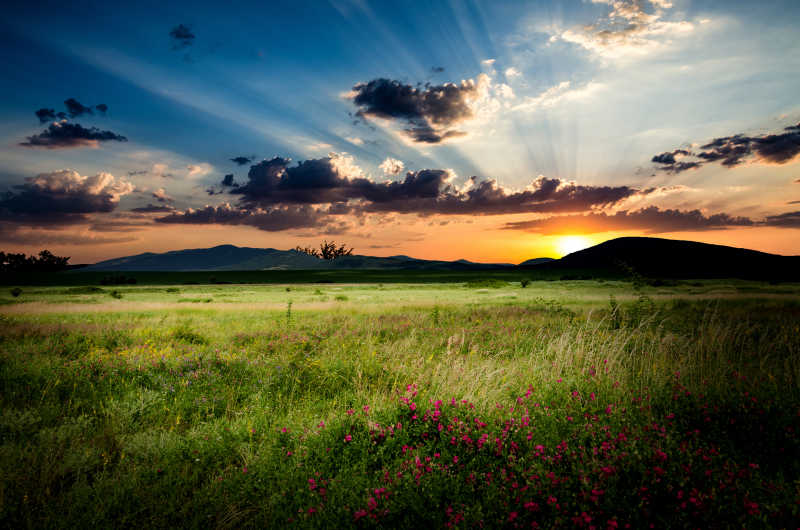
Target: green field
472	403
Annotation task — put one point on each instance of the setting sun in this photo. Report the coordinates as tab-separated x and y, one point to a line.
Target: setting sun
569	244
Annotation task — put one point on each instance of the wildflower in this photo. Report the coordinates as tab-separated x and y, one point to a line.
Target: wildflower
348	438
455	459
366	409
284	430
244	470
350	412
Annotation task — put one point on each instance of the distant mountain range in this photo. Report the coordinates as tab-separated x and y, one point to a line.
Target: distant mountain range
232	258
625	256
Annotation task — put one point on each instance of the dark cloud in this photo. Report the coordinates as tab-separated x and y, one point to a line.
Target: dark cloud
784	220
75	108
669	157
242	160
272	219
138	172
429	110
63	135
46	115
437	69
227	181
61	197
427	192
154	208
731	151
182	36
102	108
650	220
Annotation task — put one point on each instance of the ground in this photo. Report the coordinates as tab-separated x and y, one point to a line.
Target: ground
478	403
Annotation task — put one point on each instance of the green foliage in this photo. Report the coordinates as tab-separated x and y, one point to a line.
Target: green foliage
115	294
524	282
341	297
15	292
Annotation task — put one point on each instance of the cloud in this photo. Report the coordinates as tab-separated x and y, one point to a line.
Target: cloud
36	236
559	93
75	108
182	36
437	69
731	151
227	180
199	170
242	160
651	220
46	115
429	191
354	140
273	219
627	30
161	196
429	110
512	72
154	208
784	220
62	197
65	135
391	166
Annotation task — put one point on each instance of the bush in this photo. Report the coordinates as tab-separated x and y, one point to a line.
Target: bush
16	291
524	283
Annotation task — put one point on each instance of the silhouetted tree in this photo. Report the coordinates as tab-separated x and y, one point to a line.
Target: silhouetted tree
46	262
326	250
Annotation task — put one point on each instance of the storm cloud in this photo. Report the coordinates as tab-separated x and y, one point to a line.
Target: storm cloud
731	151
427	192
428	110
651	220
65	135
62	197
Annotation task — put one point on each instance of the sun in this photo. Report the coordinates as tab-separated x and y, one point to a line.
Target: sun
569	244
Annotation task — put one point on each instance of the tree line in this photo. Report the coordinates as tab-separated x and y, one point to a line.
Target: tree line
46	261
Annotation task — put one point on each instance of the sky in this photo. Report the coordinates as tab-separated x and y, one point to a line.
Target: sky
489	130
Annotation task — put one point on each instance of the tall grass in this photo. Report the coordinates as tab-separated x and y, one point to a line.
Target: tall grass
228	418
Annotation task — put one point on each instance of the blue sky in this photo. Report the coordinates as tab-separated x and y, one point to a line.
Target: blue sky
585	92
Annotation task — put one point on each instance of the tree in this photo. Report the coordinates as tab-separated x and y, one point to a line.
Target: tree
326	250
46	262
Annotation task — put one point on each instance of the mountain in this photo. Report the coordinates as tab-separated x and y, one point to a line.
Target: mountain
230	257
535	261
667	258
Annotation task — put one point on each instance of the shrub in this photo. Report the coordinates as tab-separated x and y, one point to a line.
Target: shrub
16	291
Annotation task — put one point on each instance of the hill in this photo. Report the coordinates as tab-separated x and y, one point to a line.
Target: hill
230	258
667	258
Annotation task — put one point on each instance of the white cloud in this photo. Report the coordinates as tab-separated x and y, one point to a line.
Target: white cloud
354	140
391	166
199	170
627	31
562	92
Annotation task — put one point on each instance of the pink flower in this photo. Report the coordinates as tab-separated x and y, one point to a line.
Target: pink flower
455	459
348	438
350	412
244	470
284	430
366	409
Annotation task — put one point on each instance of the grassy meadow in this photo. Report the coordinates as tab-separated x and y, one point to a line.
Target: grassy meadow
482	403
